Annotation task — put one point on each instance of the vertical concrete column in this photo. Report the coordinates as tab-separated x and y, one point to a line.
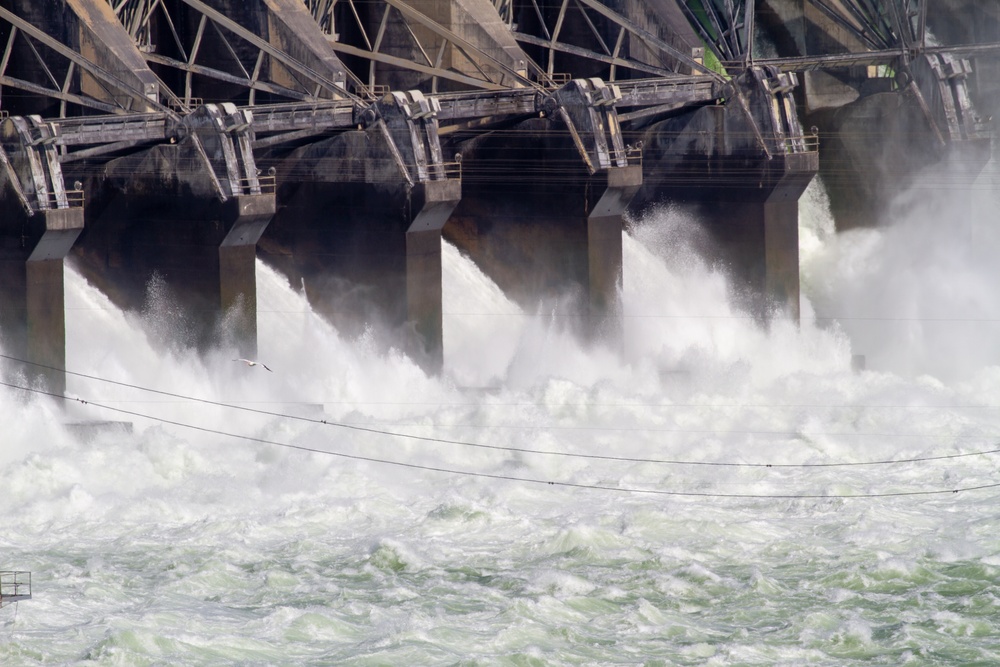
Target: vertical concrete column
361	221
604	266
781	256
434	202
604	249
46	320
32	316
542	213
238	295
39	222
246	217
190	214
424	308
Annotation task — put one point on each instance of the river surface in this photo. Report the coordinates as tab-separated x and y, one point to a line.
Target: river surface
715	493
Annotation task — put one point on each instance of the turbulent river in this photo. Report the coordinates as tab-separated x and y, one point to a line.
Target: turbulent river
716	493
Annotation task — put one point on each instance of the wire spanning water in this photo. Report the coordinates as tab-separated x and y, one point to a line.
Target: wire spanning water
170	545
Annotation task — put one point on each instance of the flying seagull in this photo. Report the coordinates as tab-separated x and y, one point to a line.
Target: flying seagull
250	362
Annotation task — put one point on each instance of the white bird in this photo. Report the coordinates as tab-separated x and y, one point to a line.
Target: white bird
250	362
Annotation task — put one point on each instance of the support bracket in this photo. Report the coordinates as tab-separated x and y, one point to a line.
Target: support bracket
410	123
32	161
225	135
587	107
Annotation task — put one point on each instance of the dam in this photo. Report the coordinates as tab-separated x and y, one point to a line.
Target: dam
169	144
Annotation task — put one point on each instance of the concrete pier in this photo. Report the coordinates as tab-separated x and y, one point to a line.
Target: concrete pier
552	245
360	225
183	217
887	102
39	222
542	209
872	144
369	131
740	169
93	63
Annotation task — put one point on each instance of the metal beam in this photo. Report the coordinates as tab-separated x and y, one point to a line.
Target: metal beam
648	37
586	53
468	48
472	105
88	102
262	44
659	92
295	117
401	62
91	68
227	77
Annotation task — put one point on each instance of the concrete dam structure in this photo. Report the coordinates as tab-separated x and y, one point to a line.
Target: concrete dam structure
169	144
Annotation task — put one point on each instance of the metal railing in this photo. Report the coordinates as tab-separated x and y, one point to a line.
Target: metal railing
15	585
806	143
630	155
554	80
440	171
373	92
101	130
266	185
51	200
451	170
181	106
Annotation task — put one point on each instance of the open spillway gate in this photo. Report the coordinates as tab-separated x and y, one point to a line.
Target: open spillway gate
164	145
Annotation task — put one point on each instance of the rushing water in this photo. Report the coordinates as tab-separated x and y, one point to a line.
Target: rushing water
210	535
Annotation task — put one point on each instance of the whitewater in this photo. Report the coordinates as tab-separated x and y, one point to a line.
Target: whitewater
716	492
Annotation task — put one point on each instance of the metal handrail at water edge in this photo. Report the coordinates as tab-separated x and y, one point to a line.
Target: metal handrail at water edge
15	585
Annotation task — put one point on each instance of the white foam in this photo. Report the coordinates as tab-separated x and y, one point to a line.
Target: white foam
191	535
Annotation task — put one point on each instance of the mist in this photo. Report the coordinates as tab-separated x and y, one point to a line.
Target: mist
917	294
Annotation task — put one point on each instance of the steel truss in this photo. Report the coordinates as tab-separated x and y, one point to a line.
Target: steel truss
880	24
185	52
615	37
726	26
340	18
61	67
